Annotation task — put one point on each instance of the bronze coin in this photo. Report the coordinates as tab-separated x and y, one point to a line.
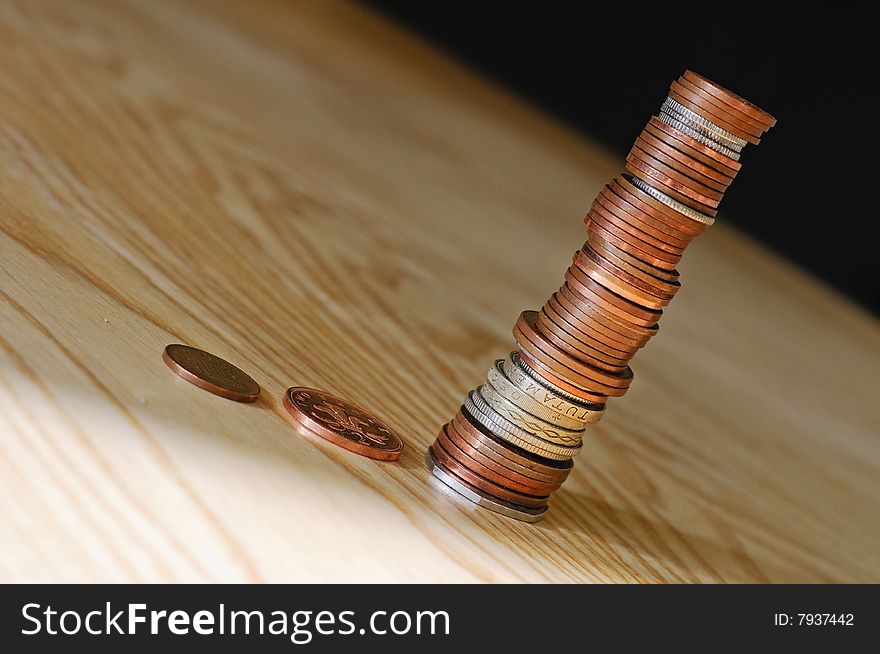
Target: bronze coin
579	324
689	167
623	188
592	322
682	183
462	472
602	338
623	288
640	230
668	186
555	380
634	246
729	98
532	465
705	110
683	158
547	323
592	378
708	156
645	222
563	344
621	307
481	497
342	423
482	465
595	311
597	241
730	114
211	373
656	285
682	231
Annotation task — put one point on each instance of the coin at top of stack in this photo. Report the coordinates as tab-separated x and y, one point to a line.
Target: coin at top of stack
512	441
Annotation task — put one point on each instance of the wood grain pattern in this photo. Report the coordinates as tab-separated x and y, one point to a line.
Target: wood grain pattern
321	199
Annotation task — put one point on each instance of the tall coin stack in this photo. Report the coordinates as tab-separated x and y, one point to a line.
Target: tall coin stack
512	441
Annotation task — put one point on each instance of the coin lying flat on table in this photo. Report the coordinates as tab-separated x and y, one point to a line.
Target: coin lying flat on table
342	423
211	373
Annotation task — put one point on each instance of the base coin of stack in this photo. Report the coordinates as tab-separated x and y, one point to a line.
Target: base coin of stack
513	440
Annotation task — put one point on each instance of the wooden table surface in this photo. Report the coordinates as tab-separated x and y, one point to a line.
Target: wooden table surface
322	199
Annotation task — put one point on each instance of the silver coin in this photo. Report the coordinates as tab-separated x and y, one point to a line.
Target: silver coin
672	203
501	427
525	514
710	130
694	116
518	360
709	143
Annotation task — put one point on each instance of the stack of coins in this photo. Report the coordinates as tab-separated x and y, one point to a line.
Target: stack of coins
512	441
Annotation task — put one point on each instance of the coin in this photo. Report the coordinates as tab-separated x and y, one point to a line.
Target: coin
528	463
479	497
702	98
498	381
342	423
511	443
547	381
521	418
685	160
211	373
597	294
461	450
739	104
694	146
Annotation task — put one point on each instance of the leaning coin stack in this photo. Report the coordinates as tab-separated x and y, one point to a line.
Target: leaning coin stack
512	441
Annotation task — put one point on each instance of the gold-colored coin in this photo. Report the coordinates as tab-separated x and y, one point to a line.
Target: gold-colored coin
498	381
550	398
477	408
540	428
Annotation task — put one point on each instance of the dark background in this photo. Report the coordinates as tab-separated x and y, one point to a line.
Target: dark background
807	190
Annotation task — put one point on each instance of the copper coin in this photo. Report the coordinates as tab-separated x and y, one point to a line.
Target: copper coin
679	162
595	312
556	380
342	423
655	257
487	486
623	188
674	179
657	284
476	462
623	283
527	463
676	229
585	375
548	323
621	307
211	373
565	313
569	317
612	282
645	222
564	344
600	336
694	147
684	158
728	112
596	241
480	497
646	234
668	186
593	322
716	116
729	98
